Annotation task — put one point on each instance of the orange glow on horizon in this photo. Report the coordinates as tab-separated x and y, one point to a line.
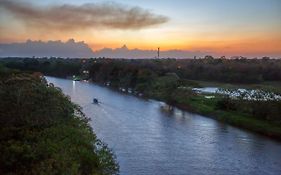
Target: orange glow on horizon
227	48
219	29
176	40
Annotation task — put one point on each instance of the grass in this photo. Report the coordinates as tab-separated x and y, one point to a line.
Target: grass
208	107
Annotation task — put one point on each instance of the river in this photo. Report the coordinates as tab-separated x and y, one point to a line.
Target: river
149	141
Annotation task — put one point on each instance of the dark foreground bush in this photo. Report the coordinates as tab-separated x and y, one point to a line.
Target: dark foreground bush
43	132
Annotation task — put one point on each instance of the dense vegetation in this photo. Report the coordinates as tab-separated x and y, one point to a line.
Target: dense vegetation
43	132
171	80
209	69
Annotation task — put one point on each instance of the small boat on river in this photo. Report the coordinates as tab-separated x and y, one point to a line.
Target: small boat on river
95	101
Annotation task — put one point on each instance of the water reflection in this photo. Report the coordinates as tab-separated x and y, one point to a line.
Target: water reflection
73	87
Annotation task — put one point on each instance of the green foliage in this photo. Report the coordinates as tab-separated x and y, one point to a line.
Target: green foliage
264	110
238	117
241	70
56	67
226	104
163	88
43	132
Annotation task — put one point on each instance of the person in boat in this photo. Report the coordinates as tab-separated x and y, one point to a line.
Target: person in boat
95	101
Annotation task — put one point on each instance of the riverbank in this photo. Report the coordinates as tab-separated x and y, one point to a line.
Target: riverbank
46	133
207	107
186	99
172	81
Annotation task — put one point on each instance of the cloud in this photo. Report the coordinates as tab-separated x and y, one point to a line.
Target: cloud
57	48
74	49
91	15
124	52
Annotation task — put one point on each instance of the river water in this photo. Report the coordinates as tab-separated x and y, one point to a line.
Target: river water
149	141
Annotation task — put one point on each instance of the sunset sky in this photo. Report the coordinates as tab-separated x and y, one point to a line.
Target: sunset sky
222	27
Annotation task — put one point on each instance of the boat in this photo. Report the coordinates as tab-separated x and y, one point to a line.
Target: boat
95	101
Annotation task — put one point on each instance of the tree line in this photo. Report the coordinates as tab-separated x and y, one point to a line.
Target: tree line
209	69
43	132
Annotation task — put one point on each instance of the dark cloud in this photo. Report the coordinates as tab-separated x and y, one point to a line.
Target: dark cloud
74	49
124	52
91	15
57	48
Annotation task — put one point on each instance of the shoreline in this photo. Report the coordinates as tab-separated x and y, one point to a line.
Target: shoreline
246	122
250	124
254	128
